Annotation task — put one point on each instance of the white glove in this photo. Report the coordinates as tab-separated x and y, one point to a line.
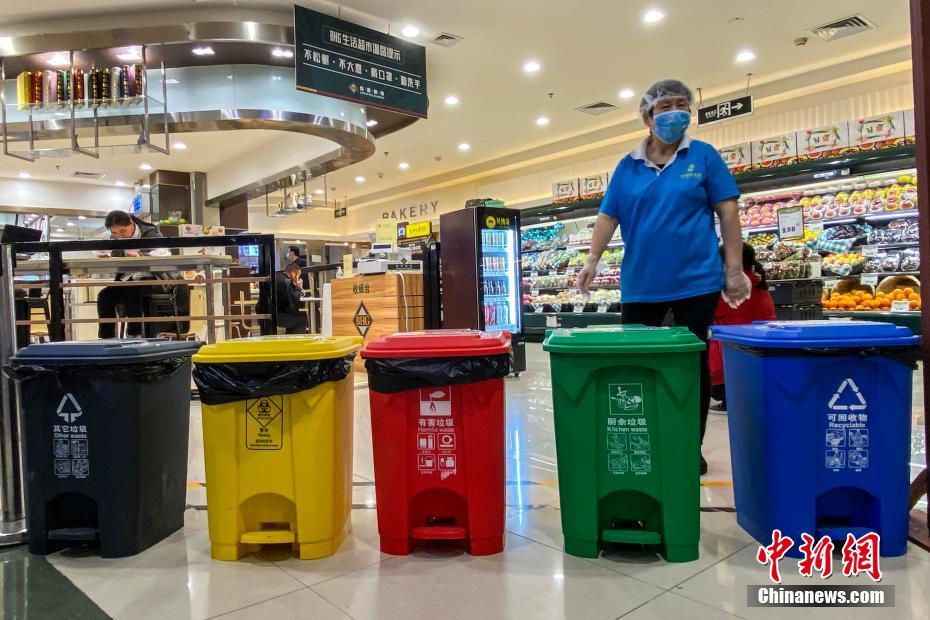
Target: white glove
738	288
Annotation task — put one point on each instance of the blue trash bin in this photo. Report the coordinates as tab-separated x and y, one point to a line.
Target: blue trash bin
820	427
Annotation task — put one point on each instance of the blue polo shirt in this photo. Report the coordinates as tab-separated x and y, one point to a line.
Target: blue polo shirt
667	222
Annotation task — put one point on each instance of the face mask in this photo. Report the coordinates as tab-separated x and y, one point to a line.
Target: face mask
670	126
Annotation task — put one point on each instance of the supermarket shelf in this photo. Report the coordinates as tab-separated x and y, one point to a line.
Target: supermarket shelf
495	274
876	217
909	319
501	297
555	249
572	288
880	274
889	246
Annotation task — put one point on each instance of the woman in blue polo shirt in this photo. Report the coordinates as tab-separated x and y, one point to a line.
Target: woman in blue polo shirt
664	195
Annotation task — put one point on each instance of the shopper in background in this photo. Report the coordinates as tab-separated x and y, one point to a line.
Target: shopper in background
664	195
757	307
129	299
293	256
288	292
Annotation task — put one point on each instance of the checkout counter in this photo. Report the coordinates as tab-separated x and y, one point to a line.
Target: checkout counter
386	300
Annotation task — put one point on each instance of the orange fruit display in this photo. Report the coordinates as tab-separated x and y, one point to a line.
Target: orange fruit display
865	301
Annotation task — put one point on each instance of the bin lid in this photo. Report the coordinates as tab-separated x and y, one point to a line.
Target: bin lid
622	338
439	343
104	351
277	349
815	334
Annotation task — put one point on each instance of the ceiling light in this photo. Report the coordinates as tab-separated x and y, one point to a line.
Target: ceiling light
282	53
532	67
359	179
229	77
82	217
653	16
60	229
319	192
371	122
542	121
452	100
203	51
410	31
131	55
171	81
403	165
626	93
745	56
120	184
464	146
144	166
59	60
277	78
180	146
70	223
24	175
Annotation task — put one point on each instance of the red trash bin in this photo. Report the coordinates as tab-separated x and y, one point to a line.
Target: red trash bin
437	427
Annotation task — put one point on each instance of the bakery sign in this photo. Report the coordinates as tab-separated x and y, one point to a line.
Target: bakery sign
362	320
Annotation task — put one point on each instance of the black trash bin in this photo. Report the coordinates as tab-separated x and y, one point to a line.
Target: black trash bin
105	451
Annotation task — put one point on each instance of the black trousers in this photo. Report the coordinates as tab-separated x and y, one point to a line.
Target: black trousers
293	323
130	299
695	313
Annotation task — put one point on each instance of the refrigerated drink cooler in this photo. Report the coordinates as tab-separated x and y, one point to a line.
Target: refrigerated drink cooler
481	273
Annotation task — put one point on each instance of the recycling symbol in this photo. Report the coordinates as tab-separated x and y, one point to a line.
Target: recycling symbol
852	399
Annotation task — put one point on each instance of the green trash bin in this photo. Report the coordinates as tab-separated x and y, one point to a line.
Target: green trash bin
627	434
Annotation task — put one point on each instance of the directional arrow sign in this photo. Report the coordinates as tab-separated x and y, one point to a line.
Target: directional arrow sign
724	111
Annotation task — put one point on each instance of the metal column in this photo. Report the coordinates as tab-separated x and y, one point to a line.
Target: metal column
12	514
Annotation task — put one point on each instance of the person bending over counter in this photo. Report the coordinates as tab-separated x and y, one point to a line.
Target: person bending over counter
130	299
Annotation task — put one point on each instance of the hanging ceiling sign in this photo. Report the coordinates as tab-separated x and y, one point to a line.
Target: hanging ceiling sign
724	111
340	59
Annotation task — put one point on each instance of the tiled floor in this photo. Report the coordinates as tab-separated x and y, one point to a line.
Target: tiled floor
533	578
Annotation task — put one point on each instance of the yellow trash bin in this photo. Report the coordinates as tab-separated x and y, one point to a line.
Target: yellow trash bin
277	432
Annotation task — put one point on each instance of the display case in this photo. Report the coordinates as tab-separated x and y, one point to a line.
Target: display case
481	284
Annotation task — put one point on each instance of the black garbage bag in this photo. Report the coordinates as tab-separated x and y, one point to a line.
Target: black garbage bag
226	383
392	375
136	372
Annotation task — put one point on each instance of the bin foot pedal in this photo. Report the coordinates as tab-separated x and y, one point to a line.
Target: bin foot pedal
74	533
439	532
268	537
839	533
636	537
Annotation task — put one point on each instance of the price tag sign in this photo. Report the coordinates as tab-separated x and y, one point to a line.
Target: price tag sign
870	251
552	320
900	306
830	283
534	292
534	274
869	278
815	226
745	233
790	223
553	272
578	307
602	308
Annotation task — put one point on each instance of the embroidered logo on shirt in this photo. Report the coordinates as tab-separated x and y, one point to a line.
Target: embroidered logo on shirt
691	174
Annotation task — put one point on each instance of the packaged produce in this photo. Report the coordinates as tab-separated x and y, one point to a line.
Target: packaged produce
910	260
891	261
843	264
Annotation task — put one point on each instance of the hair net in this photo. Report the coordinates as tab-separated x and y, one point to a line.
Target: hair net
663	89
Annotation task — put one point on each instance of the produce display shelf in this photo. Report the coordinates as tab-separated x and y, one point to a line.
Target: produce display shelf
875	217
554	249
909	319
571	288
889	246
877	273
